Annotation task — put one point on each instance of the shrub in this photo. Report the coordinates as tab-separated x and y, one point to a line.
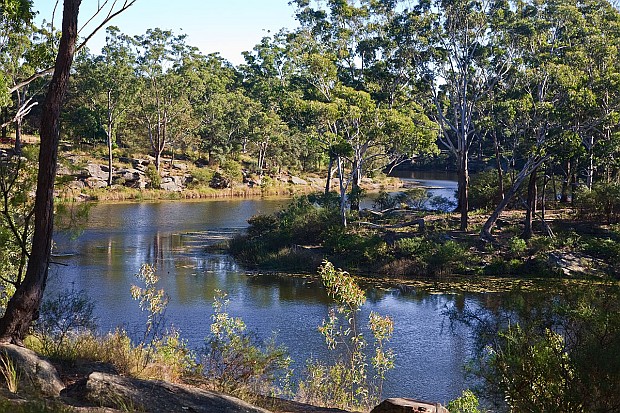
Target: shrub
200	177
483	189
446	258
600	203
466	403
236	362
153	176
347	383
63	317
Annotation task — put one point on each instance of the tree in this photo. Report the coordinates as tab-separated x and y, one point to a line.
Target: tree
107	81
164	95
23	307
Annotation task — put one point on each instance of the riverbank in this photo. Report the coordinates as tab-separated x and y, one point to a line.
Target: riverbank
134	178
407	243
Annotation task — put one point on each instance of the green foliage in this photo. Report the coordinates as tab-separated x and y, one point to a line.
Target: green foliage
602	203
431	257
18	176
302	222
231	171
535	372
152	300
347	382
549	351
61	319
237	363
153	176
484	190
466	403
517	246
201	177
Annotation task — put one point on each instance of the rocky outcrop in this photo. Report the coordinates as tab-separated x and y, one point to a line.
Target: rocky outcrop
403	405
102	389
297	181
33	371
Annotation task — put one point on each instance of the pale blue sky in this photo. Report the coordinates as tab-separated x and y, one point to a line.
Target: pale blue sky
225	26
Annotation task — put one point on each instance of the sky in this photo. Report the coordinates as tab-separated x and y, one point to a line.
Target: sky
225	26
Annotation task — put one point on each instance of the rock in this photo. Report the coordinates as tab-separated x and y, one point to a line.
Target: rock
169	184
94	170
129	175
34	371
79	185
404	405
182	166
219	181
95	183
102	389
297	181
574	264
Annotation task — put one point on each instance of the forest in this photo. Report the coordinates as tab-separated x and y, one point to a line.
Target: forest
520	99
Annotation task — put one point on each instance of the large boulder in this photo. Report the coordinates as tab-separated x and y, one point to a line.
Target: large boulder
172	183
33	371
96	171
297	181
404	405
102	389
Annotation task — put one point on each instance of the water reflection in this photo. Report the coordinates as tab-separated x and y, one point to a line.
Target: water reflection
172	236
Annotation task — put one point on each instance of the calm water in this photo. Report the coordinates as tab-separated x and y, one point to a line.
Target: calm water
439	183
119	238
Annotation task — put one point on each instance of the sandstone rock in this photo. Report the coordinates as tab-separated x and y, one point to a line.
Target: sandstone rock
182	166
297	181
108	390
404	405
94	170
34	371
79	185
95	183
170	184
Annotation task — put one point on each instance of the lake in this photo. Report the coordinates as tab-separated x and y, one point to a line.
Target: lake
172	236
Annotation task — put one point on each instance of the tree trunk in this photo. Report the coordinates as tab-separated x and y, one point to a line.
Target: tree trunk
498	165
23	307
355	188
565	183
590	170
463	189
343	192
18	136
329	175
109	131
5	117
532	195
530	165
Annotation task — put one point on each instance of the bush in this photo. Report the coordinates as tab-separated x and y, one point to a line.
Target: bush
153	176
62	318
466	403
200	177
600	203
236	362
548	352
348	383
483	190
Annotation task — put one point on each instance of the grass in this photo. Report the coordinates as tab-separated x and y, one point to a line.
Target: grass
9	371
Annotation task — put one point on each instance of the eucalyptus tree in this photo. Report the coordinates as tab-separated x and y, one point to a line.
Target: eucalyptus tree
226	124
460	69
24	51
106	82
549	100
23	307
163	93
